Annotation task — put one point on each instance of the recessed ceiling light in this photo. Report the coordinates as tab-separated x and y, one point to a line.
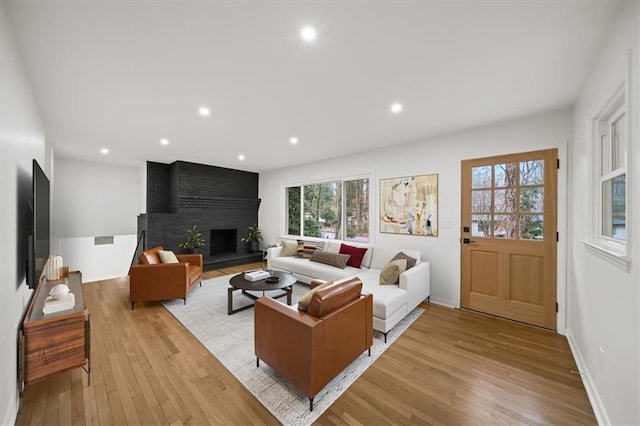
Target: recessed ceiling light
293	140
241	157
308	34
104	151
396	108
204	111
164	141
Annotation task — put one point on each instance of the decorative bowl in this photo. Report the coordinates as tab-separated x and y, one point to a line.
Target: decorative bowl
59	291
272	280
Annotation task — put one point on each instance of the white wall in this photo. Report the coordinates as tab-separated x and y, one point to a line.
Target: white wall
21	140
603	300
96	199
441	155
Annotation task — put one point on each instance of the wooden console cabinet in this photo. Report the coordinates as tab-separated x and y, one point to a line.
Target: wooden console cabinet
59	341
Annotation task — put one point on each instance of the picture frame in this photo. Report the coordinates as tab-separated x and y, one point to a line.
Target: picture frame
409	205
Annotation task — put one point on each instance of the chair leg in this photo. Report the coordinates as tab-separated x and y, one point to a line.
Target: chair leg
385	337
132	303
257	362
310	403
185	302
369	350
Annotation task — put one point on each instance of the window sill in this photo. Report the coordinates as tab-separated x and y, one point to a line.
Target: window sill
616	258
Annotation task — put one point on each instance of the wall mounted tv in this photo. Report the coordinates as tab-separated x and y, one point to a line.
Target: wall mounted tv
39	238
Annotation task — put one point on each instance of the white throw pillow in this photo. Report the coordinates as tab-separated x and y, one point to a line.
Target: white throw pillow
167	256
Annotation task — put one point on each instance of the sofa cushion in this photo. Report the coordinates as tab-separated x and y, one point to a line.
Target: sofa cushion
387	299
303	302
167	256
289	247
312	269
195	273
383	255
334	259
357	254
390	274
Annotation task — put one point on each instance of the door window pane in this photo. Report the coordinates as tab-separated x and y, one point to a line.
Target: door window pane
532	172
481	201
481	225
505	174
481	177
504	226
505	200
357	210
532	200
532	227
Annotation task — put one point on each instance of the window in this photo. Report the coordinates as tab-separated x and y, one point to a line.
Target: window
337	209
610	139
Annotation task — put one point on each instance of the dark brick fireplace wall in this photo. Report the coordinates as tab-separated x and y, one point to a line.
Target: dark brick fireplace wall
181	194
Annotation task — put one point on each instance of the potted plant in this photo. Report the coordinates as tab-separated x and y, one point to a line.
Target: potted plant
193	241
253	237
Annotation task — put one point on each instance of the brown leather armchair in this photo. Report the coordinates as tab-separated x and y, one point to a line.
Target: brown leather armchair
152	280
310	348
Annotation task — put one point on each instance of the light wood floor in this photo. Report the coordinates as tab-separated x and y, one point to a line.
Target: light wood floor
451	367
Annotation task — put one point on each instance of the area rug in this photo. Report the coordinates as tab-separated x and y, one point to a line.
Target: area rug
230	339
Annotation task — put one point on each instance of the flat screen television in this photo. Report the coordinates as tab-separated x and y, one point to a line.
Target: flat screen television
39	249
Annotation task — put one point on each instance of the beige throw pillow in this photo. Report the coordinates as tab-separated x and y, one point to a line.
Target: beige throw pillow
411	262
390	274
167	256
289	248
303	303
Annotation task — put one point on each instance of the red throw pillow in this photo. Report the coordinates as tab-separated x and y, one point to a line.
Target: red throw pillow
357	253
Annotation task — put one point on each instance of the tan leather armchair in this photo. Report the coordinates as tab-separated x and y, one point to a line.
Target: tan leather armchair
152	280
310	348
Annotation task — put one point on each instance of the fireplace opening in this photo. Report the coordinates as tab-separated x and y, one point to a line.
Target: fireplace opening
224	241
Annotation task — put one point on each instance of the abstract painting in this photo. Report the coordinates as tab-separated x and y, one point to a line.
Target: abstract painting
409	205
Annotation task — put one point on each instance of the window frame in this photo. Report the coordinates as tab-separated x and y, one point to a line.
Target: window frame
342	180
610	107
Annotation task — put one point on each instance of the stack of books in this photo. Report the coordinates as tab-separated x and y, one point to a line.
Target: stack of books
256	275
52	305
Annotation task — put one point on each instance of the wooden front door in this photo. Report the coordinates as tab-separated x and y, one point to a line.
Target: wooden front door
509	239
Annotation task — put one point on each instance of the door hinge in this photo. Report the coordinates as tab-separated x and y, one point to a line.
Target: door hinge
556	307
558	163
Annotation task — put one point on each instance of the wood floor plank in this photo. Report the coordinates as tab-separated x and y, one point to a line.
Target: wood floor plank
450	367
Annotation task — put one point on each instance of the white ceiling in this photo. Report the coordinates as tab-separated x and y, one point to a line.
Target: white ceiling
123	74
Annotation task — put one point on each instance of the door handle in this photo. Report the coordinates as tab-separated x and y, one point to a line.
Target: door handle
467	241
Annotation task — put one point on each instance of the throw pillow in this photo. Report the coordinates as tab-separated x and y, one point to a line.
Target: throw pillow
289	248
303	303
390	274
306	249
334	259
411	262
167	256
357	254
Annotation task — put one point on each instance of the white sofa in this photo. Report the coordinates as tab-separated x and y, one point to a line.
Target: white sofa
391	303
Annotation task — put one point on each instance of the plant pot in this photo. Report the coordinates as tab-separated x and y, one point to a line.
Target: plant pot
253	246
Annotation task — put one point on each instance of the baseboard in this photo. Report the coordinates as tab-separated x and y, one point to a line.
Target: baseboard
592	391
445	303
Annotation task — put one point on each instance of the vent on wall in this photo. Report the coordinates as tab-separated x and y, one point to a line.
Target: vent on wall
101	241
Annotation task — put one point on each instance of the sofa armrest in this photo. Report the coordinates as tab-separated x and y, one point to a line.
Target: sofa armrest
273	252
192	259
417	282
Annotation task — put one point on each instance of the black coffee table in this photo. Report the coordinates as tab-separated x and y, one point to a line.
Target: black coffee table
287	280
